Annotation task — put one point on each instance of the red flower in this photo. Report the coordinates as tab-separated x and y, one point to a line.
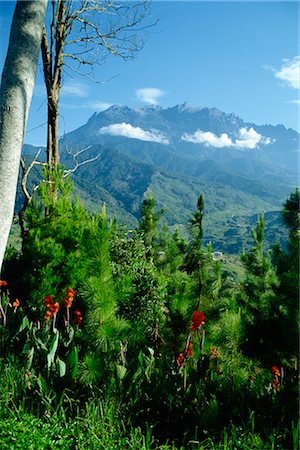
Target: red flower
48	301
47	315
275	371
70	297
16	303
68	302
3	283
214	353
276	384
77	317
70	293
180	359
52	306
198	319
186	353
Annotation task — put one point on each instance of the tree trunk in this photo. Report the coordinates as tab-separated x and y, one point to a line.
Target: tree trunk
52	135
15	97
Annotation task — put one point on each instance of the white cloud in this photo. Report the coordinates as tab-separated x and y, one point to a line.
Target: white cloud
208	138
74	89
149	95
248	139
127	130
290	72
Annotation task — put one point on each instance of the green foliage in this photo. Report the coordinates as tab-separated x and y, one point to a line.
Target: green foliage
148	330
148	224
291	214
259	300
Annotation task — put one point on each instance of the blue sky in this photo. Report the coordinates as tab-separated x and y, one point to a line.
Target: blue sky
240	57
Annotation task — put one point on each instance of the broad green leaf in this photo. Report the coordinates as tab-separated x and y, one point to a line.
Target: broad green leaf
141	359
151	351
24	324
61	367
40	343
121	371
72	362
53	348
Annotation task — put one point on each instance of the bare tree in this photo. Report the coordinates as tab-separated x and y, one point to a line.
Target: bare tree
16	89
82	33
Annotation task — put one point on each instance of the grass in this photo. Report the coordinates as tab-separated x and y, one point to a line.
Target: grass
97	432
100	424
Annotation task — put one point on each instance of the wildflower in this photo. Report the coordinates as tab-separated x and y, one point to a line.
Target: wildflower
47	315
54	308
70	293
185	354
48	301
77	317
275	371
214	353
276	384
16	304
198	319
67	302
180	359
3	283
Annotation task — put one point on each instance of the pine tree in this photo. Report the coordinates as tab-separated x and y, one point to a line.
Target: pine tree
287	263
260	303
148	224
195	260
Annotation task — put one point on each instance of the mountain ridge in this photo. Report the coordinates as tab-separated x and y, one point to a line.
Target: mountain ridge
178	152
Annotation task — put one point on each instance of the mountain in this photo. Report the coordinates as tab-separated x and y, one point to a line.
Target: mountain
176	153
178	139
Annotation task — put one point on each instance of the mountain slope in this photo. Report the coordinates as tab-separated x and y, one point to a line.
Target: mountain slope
177	138
177	153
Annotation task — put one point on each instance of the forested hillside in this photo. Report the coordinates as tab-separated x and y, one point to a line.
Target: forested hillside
175	153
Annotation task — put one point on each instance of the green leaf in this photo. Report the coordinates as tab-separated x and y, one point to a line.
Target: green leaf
40	343
42	384
62	367
72	362
30	357
53	348
24	324
71	334
141	359
121	371
151	351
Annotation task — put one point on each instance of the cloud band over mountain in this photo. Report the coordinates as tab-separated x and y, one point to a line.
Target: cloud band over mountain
129	131
248	139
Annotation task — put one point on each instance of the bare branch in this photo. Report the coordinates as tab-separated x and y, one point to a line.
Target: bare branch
26	172
78	59
78	164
